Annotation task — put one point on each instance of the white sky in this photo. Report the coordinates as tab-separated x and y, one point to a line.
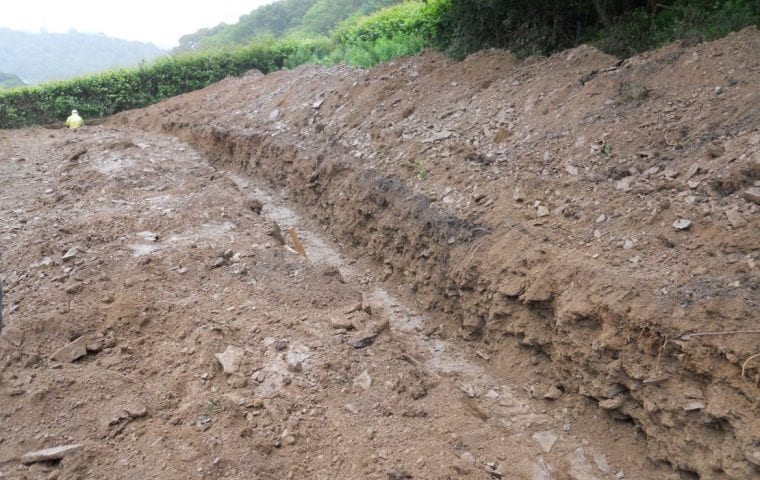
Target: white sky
161	22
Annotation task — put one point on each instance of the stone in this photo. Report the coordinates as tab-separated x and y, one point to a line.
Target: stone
50	454
72	253
736	219
682	224
294	362
542	211
340	321
601	462
572	170
628	245
612	403
148	236
136	411
42	264
552	393
540	470
693	170
438	136
545	440
363	380
624	184
350	407
71	351
580	468
694	405
752	195
73	287
518	196
230	359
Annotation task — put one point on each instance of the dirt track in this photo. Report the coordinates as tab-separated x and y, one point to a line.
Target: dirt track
521	214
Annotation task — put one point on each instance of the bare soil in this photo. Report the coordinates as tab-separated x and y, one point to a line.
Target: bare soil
502	232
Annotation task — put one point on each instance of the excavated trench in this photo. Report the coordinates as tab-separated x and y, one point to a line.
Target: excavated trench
453	266
414	164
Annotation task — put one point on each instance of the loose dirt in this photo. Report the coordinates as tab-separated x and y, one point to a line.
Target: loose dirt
540	269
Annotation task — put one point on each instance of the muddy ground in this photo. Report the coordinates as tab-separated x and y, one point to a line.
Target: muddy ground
550	267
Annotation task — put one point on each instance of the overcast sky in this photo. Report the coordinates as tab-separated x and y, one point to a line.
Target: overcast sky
161	22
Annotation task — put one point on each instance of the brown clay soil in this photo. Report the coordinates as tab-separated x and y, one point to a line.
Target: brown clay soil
492	284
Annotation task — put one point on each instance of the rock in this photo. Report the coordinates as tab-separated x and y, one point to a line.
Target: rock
736	219
540	470
518	196
580	468
693	170
350	407
682	224
42	264
72	253
437	137
542	211
753	456
752	195
71	351
274	114
624	184
317	104
148	236
136	411
204	422
545	439
339	320
613	403
601	462
363	380
359	320
552	393
572	170
694	405
73	287
230	359
50	454
294	361
628	245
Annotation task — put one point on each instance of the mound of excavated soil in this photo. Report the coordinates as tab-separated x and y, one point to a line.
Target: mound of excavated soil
602	215
579	227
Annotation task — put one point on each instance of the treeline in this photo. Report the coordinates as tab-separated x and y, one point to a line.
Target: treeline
457	27
295	18
622	28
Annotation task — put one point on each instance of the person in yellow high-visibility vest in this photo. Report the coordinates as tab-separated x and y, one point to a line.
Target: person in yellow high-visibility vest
74	121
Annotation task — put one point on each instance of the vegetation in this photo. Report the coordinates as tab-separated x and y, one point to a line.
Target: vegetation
39	57
623	28
300	18
289	33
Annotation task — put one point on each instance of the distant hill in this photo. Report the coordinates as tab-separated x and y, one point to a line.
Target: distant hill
37	57
279	19
10	80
